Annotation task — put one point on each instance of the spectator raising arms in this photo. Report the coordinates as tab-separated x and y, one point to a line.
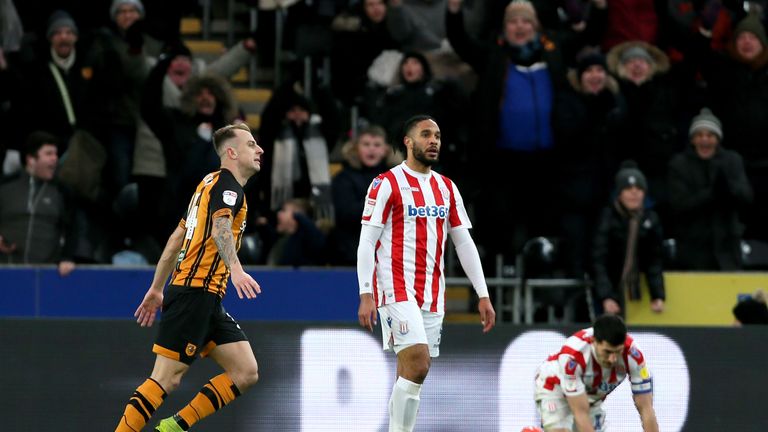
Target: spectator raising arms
518	77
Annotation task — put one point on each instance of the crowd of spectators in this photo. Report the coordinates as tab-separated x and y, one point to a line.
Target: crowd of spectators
541	102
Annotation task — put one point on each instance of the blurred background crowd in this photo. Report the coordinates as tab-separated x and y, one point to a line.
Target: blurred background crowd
631	134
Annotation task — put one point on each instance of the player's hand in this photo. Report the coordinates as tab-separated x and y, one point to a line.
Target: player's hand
487	314
147	310
245	285
657	305
366	313
611	307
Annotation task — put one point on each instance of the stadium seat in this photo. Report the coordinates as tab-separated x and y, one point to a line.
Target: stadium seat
754	254
251	249
544	286
669	252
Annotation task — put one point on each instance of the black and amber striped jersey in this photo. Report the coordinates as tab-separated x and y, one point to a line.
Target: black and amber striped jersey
199	263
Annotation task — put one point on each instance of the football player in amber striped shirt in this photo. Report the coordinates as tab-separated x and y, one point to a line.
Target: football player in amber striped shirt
202	253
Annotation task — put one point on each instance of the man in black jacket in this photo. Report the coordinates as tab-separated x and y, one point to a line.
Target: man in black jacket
35	212
629	241
708	187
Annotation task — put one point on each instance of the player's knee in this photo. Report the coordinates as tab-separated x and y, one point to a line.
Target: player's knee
246	377
423	368
172	382
251	377
419	368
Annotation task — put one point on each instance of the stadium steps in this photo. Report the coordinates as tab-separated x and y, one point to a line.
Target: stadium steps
191	27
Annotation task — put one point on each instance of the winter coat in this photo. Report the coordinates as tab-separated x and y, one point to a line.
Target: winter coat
148	158
610	248
189	155
705	197
349	187
356	43
38	235
651	134
37	96
491	62
739	92
587	128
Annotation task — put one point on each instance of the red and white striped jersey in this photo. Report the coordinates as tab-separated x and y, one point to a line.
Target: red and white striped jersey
575	370
416	211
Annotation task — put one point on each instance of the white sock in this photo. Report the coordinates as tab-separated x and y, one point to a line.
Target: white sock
403	405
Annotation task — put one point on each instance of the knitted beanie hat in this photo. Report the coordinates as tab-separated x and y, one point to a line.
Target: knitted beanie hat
751	23
630	175
58	20
636	52
707	121
524	9
117	3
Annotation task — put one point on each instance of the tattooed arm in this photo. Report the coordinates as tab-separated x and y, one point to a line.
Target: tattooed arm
225	243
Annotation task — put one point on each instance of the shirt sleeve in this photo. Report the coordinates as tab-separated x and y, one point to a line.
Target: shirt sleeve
570	374
457	217
226	197
377	206
470	260
639	374
366	252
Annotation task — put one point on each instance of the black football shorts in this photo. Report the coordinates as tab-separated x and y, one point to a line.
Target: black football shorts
193	323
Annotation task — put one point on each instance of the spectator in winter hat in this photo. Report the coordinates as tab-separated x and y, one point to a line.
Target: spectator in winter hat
707	187
126	12
520	22
628	241
586	120
653	99
62	34
519	76
638	62
750	40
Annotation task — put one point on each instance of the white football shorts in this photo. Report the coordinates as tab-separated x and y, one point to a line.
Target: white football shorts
556	414
403	324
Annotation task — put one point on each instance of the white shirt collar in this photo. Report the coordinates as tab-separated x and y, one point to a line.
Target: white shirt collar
64	63
419	175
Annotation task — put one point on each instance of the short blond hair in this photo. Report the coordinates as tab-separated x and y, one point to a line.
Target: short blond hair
226	133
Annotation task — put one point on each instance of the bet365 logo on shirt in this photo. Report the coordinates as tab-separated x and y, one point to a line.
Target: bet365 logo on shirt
433	211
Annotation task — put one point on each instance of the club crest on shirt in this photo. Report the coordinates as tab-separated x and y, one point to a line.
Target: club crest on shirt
376	183
229	197
190	350
403	327
570	367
